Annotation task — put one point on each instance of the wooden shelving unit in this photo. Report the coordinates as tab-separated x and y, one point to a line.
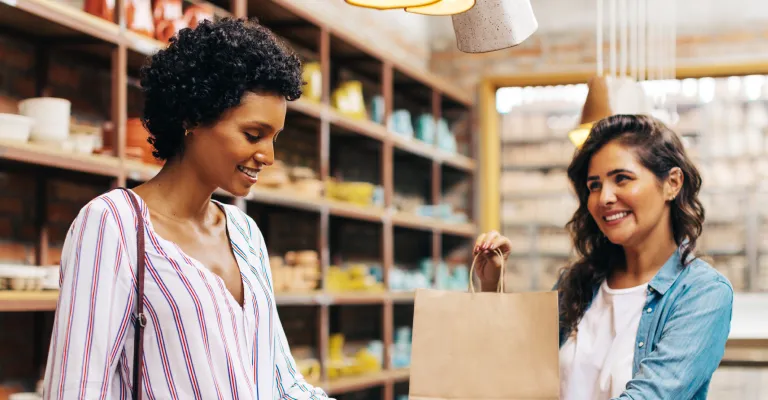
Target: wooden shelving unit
124	51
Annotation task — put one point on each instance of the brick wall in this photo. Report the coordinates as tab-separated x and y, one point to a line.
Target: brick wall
67	78
18	213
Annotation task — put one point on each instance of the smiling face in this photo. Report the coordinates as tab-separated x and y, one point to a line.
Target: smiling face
230	153
626	199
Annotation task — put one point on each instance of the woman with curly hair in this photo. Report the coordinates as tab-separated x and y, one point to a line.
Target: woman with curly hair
641	317
215	103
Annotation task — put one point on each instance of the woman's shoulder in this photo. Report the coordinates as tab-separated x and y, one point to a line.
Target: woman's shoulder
699	271
109	214
115	202
701	285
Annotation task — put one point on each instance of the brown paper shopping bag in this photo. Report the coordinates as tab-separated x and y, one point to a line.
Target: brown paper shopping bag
482	346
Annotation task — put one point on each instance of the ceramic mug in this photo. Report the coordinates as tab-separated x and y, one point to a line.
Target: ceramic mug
51	116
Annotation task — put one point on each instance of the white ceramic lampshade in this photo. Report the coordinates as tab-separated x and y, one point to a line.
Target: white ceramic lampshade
494	25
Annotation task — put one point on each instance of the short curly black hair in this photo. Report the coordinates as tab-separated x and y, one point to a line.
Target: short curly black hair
205	71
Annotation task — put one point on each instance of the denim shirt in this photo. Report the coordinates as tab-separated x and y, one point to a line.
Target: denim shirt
681	338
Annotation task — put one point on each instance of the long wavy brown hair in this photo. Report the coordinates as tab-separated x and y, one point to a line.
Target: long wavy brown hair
658	149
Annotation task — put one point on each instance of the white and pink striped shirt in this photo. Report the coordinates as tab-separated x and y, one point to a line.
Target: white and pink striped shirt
199	343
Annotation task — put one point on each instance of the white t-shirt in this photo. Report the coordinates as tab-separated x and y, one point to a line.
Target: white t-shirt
596	363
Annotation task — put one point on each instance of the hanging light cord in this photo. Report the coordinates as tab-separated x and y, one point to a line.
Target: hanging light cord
599	34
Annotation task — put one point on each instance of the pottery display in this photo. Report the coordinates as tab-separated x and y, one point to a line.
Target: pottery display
104	9
348	99
15	127
139	17
197	13
51	116
8	105
168	17
313	76
136	141
22	277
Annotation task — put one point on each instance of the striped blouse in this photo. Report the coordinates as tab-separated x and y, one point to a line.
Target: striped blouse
199	343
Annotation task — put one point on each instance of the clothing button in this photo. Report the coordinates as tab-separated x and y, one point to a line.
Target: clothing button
640	344
649	310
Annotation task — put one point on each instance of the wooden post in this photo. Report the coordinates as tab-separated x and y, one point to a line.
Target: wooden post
120	106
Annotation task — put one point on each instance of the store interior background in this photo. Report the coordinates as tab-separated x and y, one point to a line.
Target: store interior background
513	146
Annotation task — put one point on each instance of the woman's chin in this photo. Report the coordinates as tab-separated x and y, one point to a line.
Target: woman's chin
619	239
237	190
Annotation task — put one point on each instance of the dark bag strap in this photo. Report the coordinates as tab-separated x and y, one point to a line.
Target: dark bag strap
141	320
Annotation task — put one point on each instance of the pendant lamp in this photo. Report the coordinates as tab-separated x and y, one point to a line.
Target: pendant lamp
494	25
596	107
443	7
390	4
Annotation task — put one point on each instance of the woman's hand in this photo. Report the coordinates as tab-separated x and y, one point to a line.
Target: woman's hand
488	265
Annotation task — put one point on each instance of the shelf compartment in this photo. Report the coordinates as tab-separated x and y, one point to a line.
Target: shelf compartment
297	146
53	19
366	248
457	249
352	211
288	198
355	383
412	182
355	173
456	160
140	49
22	301
380	133
289	25
41	155
362	127
285	231
308	108
413	221
353	72
456	189
350	298
45	300
141	44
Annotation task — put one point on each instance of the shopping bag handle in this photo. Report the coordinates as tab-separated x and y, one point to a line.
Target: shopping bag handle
500	286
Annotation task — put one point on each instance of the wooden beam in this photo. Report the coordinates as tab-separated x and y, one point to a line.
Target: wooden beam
324	328
489	160
120	105
239	8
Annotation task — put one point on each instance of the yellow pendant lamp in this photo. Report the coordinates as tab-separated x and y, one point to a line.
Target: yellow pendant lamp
596	107
443	7
390	4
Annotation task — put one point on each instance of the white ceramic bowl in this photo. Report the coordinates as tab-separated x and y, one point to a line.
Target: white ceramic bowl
51	117
15	127
25	396
23	277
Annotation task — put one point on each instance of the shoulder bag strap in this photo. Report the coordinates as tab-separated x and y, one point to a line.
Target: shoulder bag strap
141	320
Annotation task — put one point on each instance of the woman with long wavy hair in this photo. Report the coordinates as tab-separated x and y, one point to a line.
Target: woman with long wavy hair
641	316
